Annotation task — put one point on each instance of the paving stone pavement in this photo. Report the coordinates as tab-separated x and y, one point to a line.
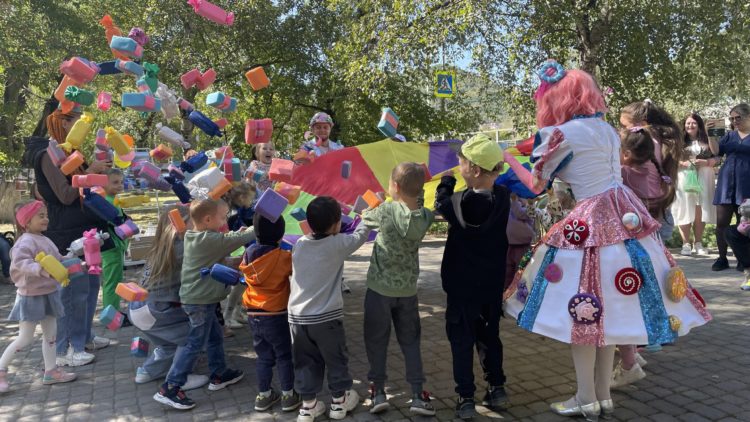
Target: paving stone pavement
704	377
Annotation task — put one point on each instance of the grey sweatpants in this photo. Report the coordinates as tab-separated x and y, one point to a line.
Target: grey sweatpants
315	348
404	312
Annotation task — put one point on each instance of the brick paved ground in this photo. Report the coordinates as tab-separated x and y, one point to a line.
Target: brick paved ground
703	377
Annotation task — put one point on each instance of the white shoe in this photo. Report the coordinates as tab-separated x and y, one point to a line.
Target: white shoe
622	377
232	323
97	343
639	360
195	381
240	316
687	249
700	250
142	377
309	414
74	358
339	410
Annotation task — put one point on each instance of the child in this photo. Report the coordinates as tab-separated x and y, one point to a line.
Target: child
113	260
316	309
263	155
38	299
267	269
520	232
161	318
596	280
392	285
200	297
241	200
473	269
321	125
641	171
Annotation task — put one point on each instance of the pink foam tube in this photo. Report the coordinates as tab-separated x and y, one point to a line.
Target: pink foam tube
92	252
89	180
523	174
212	12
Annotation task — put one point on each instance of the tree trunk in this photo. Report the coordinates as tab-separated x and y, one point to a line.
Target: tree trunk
592	24
51	105
14	103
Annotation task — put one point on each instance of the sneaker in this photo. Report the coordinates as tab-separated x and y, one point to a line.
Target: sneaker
465	408
74	358
174	397
141	376
345	287
290	402
229	377
687	249
97	343
228	332
622	377
348	402
653	348
308	414
495	398
639	360
700	250
232	323
263	403
57	376
720	264
195	381
239	316
420	405
378	401
746	285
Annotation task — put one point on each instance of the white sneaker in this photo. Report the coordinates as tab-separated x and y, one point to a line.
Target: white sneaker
309	414
195	381
239	315
687	249
142	377
97	343
74	358
232	323
338	410
700	250
639	360
622	377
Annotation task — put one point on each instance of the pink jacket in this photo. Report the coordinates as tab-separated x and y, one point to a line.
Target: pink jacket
27	273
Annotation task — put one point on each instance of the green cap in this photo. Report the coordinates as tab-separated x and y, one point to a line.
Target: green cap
482	151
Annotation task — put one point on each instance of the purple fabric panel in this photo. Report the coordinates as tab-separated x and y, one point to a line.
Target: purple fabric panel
443	155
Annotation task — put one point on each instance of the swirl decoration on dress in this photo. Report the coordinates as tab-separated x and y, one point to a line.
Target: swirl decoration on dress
576	231
677	285
675	323
628	281
522	292
553	273
585	308
550	72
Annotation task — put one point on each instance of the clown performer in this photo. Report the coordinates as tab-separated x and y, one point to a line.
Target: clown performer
320	125
601	276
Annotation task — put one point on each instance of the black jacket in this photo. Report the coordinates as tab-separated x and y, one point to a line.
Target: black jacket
66	222
473	268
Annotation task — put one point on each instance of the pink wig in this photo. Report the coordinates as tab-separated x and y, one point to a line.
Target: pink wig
576	93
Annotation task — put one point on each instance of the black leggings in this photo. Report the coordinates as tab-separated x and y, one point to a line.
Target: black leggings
724	215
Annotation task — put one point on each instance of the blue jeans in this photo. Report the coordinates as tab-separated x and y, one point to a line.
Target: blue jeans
5	256
204	329
273	344
79	300
168	335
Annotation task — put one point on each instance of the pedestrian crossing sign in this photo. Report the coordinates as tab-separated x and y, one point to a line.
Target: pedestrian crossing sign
445	83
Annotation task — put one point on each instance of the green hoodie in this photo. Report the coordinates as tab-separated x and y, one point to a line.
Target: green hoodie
394	265
202	250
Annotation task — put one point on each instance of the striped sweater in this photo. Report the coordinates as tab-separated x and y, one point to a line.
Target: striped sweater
317	267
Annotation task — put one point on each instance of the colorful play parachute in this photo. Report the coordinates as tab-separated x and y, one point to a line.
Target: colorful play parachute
371	166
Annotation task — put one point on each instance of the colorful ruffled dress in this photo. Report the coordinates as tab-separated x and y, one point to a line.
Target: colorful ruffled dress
592	279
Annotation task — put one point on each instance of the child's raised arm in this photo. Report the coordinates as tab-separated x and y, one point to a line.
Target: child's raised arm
443	202
233	240
351	242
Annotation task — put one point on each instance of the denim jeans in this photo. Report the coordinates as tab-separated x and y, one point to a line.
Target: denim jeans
5	256
79	300
204	329
273	344
168	335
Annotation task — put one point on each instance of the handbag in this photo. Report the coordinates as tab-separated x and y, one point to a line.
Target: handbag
690	182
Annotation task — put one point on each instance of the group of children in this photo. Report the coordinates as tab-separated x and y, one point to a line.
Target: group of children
294	305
